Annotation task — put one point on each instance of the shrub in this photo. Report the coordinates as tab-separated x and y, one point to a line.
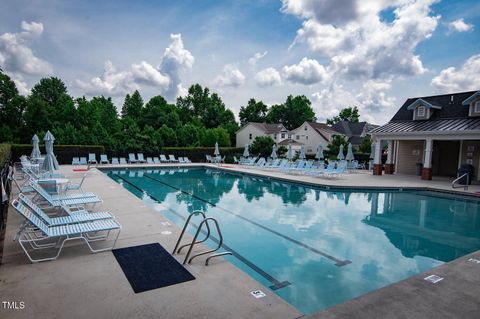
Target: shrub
4	154
64	153
262	145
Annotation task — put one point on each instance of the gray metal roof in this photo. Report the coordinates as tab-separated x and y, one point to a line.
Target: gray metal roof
444	125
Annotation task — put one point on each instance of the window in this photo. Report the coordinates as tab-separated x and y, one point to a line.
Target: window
477	107
289	135
306	137
421	111
274	136
297	137
305	127
250	136
283	135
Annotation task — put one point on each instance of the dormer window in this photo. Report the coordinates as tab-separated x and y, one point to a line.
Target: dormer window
477	106
421	111
473	103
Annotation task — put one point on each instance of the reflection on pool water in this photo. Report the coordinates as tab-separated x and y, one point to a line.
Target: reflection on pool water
327	246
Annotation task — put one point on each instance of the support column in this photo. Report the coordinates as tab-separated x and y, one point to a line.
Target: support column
427	160
389	166
377	160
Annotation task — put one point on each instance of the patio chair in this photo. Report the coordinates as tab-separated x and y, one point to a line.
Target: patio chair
75	199
104	159
40	236
92	158
181	161
235	160
163	159
172	158
23	188
83	161
74	218
115	161
123	161
149	160
187	160
208	158
131	158
75	186
156	160
75	161
140	158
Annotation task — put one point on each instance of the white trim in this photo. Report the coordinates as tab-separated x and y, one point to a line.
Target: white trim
476	107
460	154
423	109
448	135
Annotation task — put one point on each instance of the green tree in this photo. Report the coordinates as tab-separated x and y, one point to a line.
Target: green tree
253	112
262	145
12	106
334	146
366	145
168	136
293	113
215	135
347	114
158	112
188	135
48	105
132	106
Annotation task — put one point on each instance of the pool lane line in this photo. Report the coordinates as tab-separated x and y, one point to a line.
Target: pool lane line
276	283
338	262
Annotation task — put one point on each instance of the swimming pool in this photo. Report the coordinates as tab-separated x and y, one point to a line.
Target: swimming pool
313	247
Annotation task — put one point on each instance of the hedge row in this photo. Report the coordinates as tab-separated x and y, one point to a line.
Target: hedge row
4	154
64	153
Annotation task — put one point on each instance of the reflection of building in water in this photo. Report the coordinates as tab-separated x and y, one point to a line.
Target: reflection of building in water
431	227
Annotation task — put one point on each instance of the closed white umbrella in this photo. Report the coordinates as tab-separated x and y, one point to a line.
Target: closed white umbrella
50	163
302	152
340	153
217	151
274	152
245	151
350	156
290	152
319	154
36	149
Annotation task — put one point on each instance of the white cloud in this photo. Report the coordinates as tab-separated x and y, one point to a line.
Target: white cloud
459	25
257	57
17	57
268	77
20	83
231	76
463	79
330	101
307	72
365	47
165	78
176	59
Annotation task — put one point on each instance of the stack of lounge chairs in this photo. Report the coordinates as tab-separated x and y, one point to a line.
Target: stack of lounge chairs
132	159
52	219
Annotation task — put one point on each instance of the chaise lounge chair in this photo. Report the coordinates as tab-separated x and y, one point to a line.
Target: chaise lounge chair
140	158
104	159
92	158
123	161
83	161
115	161
75	161
156	160
40	235
131	158
163	159
172	158
149	160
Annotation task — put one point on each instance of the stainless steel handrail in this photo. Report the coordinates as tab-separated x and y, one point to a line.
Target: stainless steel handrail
195	213
220	241
465	187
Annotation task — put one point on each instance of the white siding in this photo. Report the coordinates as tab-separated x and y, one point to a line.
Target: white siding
243	136
310	138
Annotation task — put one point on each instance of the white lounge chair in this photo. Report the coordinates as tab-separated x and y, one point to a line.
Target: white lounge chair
140	158
40	235
115	161
123	161
163	159
104	159
156	160
75	199
83	161
75	161
172	158
92	158
131	158
149	160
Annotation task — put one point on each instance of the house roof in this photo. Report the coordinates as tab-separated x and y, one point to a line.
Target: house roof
442	125
471	98
421	101
351	129
451	107
266	127
321	128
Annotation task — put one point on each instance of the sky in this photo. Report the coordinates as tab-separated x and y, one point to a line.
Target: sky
373	54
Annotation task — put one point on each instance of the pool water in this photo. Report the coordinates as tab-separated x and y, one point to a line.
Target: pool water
313	247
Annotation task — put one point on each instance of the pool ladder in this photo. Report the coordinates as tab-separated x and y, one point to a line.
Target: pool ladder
205	221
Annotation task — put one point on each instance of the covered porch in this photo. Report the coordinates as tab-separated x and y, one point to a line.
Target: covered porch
427	155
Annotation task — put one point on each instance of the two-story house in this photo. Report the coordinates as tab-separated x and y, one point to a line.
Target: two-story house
312	134
247	133
440	132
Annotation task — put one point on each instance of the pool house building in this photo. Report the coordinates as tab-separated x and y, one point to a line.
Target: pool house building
431	136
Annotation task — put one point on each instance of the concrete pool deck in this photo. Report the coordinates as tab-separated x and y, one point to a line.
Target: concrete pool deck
82	284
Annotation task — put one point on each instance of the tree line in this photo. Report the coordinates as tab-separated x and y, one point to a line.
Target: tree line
200	118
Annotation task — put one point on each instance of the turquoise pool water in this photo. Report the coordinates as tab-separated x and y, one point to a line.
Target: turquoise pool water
318	247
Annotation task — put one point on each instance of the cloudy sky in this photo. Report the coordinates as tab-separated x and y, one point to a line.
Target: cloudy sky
369	53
